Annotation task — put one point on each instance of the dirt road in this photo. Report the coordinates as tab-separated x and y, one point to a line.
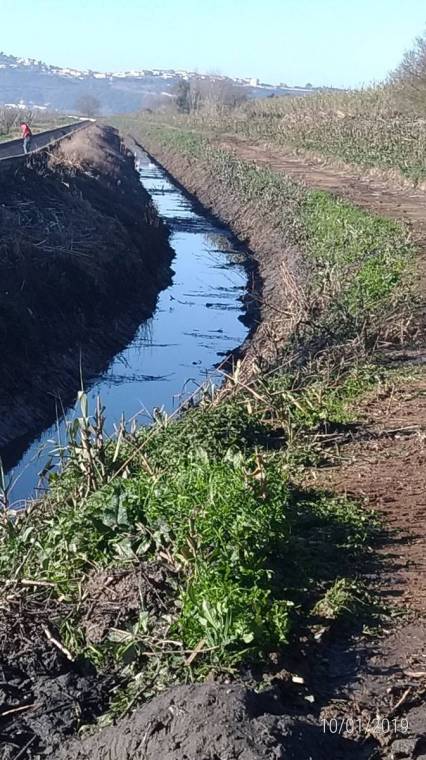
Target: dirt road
372	192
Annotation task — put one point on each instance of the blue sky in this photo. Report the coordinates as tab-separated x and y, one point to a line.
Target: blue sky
331	42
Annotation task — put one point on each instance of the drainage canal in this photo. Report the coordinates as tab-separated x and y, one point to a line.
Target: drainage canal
198	320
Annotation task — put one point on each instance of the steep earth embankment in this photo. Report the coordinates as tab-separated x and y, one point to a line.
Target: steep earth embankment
83	256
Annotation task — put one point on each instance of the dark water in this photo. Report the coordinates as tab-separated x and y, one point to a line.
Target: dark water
196	323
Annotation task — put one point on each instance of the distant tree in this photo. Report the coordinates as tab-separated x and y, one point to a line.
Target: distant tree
308	86
160	102
88	105
9	117
26	115
182	96
409	78
203	92
215	91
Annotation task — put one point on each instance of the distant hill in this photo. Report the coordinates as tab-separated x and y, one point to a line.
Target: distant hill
36	84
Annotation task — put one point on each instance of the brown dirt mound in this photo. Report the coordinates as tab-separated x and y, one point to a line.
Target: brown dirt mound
211	722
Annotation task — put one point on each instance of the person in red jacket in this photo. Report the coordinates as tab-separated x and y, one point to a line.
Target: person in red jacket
26	135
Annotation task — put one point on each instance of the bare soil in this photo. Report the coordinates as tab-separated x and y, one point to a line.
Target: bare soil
44	694
386	469
149	583
213	722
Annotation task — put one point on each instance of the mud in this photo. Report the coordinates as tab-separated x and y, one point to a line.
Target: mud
83	257
44	695
212	722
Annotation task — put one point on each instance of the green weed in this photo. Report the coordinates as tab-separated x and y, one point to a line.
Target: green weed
214	503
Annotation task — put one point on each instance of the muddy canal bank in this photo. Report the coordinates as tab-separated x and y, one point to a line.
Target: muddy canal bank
83	256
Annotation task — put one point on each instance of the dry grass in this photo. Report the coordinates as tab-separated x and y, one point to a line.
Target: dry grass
87	150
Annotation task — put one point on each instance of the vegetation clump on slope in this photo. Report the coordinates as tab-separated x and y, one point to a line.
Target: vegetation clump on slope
213	500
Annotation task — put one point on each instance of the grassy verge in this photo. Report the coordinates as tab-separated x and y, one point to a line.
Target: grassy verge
219	555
